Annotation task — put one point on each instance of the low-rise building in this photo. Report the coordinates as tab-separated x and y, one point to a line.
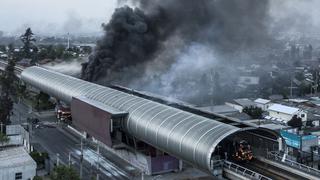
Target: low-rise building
285	113
240	104
264	104
16	163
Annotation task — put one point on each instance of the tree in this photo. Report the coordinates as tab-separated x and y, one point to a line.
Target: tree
6	106
64	172
253	111
3	138
39	157
28	42
7	91
37	178
295	122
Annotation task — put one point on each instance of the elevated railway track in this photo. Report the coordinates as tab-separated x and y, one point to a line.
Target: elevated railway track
181	130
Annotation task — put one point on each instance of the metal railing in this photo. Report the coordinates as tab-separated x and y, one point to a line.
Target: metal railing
244	171
280	157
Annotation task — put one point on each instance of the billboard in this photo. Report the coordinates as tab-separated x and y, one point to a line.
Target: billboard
291	139
303	142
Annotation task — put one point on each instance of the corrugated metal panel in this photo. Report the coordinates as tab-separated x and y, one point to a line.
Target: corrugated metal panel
185	135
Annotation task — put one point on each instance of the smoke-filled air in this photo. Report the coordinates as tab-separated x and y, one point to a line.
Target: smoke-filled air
185	49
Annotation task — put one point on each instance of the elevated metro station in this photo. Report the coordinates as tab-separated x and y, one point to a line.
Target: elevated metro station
182	133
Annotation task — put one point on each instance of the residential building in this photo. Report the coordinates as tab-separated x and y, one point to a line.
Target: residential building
16	164
285	113
264	104
240	104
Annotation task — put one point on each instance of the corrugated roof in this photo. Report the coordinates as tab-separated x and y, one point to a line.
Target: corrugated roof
283	109
187	136
12	157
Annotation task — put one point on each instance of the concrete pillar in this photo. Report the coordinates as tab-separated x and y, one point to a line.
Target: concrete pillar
280	144
180	165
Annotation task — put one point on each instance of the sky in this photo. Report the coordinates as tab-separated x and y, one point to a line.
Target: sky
55	16
52	17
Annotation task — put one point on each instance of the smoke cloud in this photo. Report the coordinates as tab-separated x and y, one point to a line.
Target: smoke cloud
70	67
175	48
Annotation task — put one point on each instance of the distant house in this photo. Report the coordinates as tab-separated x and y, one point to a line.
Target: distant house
24	62
245	81
284	113
240	104
16	163
264	104
276	97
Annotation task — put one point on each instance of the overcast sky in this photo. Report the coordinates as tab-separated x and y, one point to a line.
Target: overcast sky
52	17
55	16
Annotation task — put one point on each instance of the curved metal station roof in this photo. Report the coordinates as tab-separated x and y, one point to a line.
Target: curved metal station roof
187	136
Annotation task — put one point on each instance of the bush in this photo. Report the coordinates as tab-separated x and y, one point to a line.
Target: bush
63	173
253	111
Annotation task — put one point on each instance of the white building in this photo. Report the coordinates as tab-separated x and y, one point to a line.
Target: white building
285	113
240	104
16	164
264	104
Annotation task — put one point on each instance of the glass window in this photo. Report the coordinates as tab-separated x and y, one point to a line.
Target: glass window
19	175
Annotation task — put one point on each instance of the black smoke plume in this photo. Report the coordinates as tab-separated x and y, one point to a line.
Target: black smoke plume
158	33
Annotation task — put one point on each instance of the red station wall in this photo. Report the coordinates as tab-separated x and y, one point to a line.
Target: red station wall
92	120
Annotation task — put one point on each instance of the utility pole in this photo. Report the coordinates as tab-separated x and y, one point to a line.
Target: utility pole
81	158
68	45
1	127
291	88
58	160
69	160
98	161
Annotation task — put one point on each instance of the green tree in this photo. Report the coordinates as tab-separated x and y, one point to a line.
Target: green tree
28	43
39	157
63	173
253	111
3	138
37	178
3	48
7	91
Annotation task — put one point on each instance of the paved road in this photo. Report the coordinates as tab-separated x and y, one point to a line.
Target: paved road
57	139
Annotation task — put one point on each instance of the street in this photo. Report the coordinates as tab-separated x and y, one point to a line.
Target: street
61	144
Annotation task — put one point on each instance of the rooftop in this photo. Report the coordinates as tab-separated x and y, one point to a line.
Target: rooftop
262	101
244	102
12	157
221	109
283	109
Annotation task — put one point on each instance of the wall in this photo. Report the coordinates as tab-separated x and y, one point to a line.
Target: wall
235	106
163	164
92	120
282	116
287	117
28	171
